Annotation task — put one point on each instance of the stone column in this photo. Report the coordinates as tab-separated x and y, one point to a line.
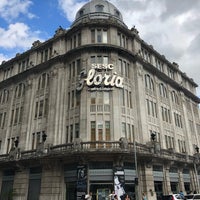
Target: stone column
20	185
52	182
181	181
193	175
166	181
147	181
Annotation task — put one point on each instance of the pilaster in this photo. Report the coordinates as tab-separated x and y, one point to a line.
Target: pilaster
147	181
20	185
52	181
181	181
166	181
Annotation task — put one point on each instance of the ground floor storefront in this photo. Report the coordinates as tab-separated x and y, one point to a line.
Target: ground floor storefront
70	175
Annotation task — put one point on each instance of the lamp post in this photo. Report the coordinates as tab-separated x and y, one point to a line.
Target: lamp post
137	192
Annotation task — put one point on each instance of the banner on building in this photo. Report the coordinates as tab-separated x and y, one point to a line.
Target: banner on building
81	181
119	181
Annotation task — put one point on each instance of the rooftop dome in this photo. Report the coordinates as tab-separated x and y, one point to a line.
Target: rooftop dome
98	9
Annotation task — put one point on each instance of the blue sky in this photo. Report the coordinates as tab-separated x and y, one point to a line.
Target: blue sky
171	26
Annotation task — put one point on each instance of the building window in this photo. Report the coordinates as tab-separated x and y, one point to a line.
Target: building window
20	90
81	12
41	108
117	13
74	69
67	134
99	8
107	130
99	59
71	135
78	98
122	97
166	114
124	132
93	133
149	84
43	81
8	72
99	36
174	97
163	90
75	40
2	119
77	130
178	120
4	96
151	108
100	131
37	138
79	39
46	54
122	40
100	98
16	116
124	68
146	55
171	73
159	65
169	141
182	146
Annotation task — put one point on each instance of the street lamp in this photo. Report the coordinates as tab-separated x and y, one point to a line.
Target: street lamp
137	192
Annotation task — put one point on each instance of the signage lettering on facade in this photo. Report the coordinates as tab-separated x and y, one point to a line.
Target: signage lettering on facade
98	76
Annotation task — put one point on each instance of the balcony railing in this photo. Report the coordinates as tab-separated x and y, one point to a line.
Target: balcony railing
142	151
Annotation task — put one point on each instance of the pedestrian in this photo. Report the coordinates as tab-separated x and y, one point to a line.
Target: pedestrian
112	195
88	196
181	195
144	197
115	197
126	197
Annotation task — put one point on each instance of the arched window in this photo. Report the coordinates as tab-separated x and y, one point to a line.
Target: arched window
117	13
81	12
163	90
4	96
43	81
99	8
174	97
149	84
20	90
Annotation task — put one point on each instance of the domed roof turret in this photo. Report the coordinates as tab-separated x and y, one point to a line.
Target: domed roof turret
98	9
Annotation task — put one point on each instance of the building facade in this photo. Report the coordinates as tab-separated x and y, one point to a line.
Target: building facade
95	108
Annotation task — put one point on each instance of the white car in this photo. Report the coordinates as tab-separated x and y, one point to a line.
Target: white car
192	196
171	197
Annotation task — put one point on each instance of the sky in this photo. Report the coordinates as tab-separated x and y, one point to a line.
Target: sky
171	26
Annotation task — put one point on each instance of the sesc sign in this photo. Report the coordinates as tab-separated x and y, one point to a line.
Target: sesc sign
100	75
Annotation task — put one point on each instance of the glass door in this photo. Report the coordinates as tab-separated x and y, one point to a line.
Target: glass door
103	193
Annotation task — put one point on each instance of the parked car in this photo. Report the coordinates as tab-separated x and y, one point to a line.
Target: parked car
171	197
192	196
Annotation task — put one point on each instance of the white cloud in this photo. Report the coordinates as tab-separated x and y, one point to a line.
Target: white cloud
170	26
2	58
17	35
11	9
70	7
